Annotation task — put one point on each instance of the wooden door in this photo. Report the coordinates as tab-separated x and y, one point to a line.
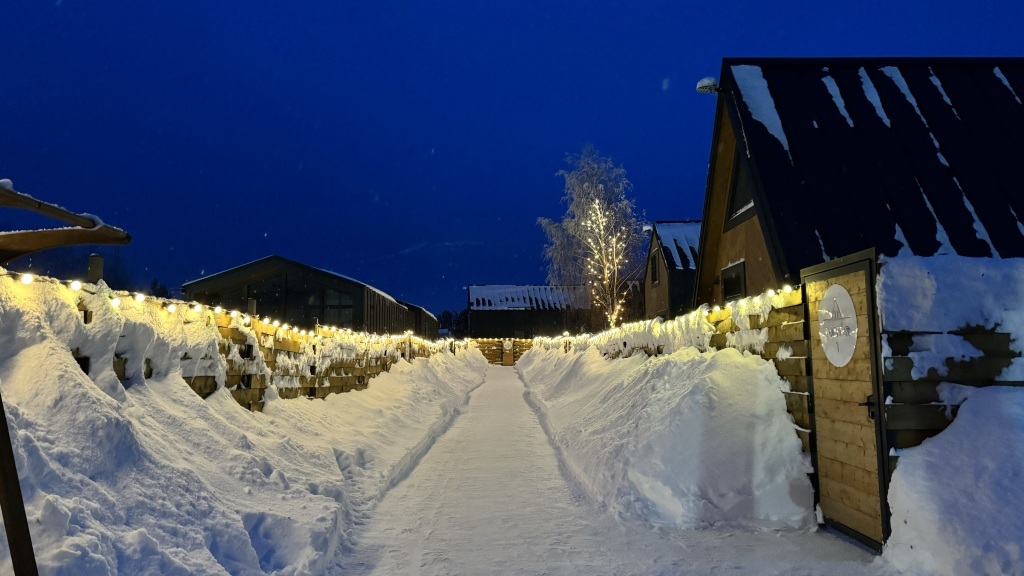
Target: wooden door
850	452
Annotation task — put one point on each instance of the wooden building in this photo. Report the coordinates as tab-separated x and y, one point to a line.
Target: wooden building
671	268
817	158
513	311
422	322
304	296
822	168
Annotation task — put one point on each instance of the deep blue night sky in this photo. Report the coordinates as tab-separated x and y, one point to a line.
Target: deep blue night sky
411	145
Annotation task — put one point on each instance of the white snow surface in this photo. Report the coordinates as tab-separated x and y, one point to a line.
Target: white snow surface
928	294
837	97
688	439
754	91
153	479
956	498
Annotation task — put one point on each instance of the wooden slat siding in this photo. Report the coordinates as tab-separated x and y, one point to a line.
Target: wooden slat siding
976	370
916	417
864	502
256	381
791	367
847	453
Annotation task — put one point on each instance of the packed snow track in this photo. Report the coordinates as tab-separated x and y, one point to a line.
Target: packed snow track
491	498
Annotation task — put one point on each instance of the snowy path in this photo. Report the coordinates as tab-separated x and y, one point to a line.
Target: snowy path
489	498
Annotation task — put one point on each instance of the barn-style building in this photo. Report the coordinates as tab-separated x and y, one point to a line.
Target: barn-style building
303	295
671	268
820	170
518	311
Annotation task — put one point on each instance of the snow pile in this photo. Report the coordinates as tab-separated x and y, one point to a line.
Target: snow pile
153	479
956	499
692	439
948	293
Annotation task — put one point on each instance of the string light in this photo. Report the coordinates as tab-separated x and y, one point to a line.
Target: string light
787	289
218	310
76	285
172	307
234	314
198	308
115	302
27	278
140	297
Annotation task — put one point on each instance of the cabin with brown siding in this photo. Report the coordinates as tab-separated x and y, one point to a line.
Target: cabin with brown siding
820	170
304	296
671	268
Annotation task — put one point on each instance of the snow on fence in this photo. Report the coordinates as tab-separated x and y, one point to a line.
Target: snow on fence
223	348
770	324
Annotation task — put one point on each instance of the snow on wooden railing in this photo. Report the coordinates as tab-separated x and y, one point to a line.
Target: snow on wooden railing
136	336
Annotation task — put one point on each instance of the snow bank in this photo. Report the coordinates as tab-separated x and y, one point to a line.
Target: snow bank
956	499
154	480
949	293
691	439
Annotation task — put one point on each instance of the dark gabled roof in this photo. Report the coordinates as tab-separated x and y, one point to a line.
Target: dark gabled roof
901	154
679	241
269	260
518	297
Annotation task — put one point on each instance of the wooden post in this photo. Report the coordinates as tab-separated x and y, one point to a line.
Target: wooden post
95	273
19	540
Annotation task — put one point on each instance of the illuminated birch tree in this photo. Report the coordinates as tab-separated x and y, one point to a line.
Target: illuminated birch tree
597	242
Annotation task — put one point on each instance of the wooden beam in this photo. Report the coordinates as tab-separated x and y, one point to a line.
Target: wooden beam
19	539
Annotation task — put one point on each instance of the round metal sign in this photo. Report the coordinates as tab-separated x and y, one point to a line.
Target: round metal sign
507	344
837	325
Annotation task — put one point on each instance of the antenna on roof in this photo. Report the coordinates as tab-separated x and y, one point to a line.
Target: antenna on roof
708	85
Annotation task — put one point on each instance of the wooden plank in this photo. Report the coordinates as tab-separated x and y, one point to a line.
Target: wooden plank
786	332
853	519
841	411
854	282
844	390
913	392
860	435
798	383
805	440
779	316
244	397
856	370
202	385
791	367
857	456
718	341
908	438
858	478
915	417
798	348
867	504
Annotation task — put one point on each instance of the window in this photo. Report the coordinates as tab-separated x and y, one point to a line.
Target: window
338	309
734	283
655	276
741	194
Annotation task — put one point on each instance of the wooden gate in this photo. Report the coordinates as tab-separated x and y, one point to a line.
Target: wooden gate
850	454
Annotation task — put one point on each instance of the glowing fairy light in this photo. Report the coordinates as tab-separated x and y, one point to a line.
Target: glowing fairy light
27	278
115	302
76	285
140	297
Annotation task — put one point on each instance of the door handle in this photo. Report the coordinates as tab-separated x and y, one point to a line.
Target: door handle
869	402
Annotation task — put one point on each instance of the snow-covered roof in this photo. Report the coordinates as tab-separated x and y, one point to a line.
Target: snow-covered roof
275	257
517	297
679	240
908	155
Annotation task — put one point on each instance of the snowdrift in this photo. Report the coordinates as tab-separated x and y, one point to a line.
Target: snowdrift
154	480
689	439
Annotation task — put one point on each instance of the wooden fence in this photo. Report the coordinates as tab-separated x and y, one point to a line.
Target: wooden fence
503	351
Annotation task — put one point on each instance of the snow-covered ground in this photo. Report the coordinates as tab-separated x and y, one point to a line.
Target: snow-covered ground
571	463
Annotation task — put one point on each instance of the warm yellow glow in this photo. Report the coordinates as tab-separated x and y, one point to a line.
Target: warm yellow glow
140	297
171	308
217	309
717	308
198	307
245	320
115	302
234	313
771	293
275	324
76	285
27	278
787	289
